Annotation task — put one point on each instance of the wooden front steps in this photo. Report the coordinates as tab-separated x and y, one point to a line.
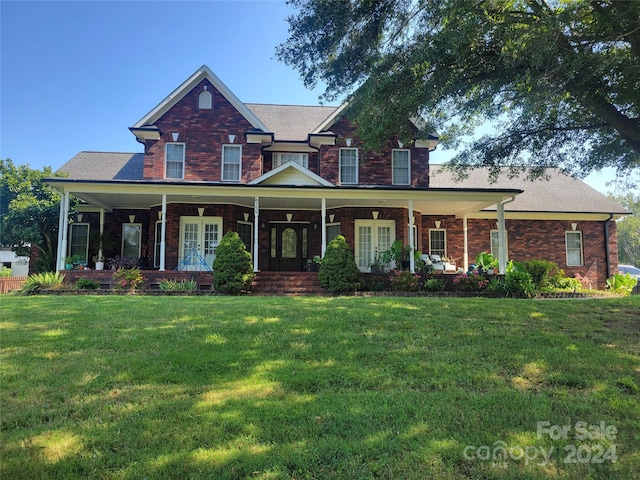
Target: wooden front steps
286	283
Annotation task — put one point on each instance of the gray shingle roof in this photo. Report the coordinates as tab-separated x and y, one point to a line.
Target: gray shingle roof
291	122
104	166
558	193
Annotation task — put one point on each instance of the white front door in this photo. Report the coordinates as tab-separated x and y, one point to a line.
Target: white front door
199	238
372	238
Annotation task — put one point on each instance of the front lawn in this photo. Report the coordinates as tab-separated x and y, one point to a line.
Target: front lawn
117	387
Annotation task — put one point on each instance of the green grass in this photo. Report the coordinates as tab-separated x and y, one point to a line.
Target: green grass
119	387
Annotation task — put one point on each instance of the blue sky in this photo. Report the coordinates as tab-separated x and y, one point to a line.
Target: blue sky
75	75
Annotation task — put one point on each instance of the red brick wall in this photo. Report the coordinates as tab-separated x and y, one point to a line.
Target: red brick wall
374	167
527	239
532	239
204	132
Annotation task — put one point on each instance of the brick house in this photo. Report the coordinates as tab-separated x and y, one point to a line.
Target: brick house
290	178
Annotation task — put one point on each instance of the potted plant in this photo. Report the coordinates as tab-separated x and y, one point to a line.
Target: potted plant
99	261
486	263
378	265
399	254
68	263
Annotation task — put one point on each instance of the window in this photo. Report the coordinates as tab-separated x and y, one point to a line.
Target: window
372	238
299	158
245	231
131	239
349	165
156	245
494	243
573	242
401	162
174	160
438	242
231	162
79	241
333	230
205	100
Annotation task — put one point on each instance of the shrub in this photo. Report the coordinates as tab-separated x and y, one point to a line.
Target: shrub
434	285
495	286
517	282
127	278
338	271
118	262
5	272
87	284
38	281
181	286
470	282
542	272
404	281
622	284
232	268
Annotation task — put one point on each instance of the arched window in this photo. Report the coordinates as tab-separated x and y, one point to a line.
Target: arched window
205	100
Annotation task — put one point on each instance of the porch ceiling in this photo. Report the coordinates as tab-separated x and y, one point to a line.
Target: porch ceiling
113	195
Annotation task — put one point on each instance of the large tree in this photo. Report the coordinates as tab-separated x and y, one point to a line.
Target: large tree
557	80
629	229
29	210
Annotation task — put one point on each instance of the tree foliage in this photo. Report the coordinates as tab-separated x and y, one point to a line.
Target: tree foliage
558	80
29	210
629	230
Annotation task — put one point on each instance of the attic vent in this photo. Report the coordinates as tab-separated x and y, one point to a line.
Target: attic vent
205	100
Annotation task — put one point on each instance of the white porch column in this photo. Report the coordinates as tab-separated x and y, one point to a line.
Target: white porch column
256	217
502	251
466	244
59	252
163	232
101	231
324	227
412	260
65	227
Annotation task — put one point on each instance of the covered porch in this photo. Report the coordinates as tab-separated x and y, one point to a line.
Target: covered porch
177	225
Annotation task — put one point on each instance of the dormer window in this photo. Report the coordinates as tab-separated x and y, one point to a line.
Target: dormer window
299	158
205	100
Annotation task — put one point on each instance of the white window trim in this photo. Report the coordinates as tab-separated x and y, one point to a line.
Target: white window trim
222	164
72	226
157	242
445	239
184	154
277	158
566	247
356	166
124	225
393	166
250	224
506	241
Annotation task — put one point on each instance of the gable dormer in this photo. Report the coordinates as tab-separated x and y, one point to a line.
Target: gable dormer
199	133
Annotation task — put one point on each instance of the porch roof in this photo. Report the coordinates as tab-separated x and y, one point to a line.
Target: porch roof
112	194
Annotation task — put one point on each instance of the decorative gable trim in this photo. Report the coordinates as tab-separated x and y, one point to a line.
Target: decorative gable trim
279	170
179	93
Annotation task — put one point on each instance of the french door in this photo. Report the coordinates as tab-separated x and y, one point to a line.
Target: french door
199	238
372	238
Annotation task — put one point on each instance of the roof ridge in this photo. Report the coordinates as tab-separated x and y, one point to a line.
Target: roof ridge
289	105
102	151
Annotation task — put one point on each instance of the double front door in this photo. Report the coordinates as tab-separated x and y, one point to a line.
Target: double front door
288	246
199	239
